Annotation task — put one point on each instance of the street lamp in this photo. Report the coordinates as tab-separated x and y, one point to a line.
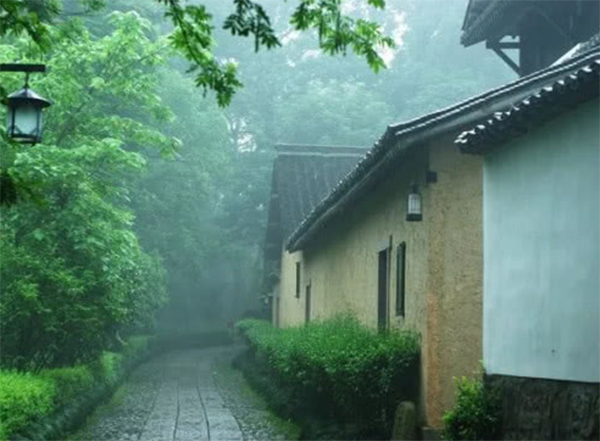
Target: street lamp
24	116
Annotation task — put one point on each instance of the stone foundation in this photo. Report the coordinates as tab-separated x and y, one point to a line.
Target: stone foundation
536	409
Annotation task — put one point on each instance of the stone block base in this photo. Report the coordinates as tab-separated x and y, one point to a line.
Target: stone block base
431	434
540	409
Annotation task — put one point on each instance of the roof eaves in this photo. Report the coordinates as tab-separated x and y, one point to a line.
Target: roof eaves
474	10
577	87
400	137
492	14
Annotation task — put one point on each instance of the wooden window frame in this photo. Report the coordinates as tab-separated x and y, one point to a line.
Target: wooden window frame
308	305
298	279
385	251
401	279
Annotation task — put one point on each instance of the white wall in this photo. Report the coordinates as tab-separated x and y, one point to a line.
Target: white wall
541	251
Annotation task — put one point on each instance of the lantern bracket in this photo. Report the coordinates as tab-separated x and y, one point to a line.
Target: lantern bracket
430	177
27	68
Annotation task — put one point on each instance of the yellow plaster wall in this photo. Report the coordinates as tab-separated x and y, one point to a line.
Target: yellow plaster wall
455	272
291	308
443	266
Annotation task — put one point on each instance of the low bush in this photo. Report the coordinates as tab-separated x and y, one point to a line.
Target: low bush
339	369
23	398
69	382
108	368
476	414
27	398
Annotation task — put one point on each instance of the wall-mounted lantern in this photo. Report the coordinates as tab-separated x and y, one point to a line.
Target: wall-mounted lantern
24	117
414	206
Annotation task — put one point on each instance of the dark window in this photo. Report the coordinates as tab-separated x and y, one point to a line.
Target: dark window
400	277
382	289
307	307
298	279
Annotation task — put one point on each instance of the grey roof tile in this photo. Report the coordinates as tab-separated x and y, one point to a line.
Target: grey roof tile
302	176
576	87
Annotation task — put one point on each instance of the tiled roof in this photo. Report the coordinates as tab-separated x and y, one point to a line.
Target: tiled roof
587	45
398	138
484	17
474	9
577	87
302	176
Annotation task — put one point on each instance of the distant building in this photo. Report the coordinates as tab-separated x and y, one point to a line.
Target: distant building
540	30
541	229
302	176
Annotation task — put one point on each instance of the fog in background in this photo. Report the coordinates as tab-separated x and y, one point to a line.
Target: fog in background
201	212
207	219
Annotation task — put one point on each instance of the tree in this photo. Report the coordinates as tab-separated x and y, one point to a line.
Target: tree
73	273
338	113
193	34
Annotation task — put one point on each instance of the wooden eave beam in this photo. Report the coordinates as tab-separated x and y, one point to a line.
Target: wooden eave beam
498	47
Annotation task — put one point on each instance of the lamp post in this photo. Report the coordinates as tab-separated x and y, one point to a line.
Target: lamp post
24	122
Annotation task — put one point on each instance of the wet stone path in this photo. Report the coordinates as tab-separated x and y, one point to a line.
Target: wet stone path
186	396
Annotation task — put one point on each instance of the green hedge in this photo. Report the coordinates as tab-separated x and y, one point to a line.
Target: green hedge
338	369
27	398
23	397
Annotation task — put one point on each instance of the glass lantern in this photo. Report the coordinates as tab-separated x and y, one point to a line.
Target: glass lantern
414	206
24	116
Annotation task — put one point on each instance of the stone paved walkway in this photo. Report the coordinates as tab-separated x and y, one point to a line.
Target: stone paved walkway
187	395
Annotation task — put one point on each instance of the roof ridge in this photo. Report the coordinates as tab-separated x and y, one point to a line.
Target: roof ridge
319	150
281	146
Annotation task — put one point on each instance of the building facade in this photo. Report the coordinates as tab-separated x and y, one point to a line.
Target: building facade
541	317
389	272
302	176
356	252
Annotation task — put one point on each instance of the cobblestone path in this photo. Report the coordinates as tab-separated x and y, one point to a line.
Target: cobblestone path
186	396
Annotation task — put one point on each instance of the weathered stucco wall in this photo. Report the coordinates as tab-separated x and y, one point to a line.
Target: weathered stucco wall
455	271
343	261
291	308
541	211
443	266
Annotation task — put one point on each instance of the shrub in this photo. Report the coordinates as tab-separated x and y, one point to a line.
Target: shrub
26	397
476	414
69	382
108	369
339	368
23	398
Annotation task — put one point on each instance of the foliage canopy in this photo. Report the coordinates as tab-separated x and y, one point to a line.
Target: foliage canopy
193	32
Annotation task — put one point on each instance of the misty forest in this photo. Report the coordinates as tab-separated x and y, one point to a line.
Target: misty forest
139	298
